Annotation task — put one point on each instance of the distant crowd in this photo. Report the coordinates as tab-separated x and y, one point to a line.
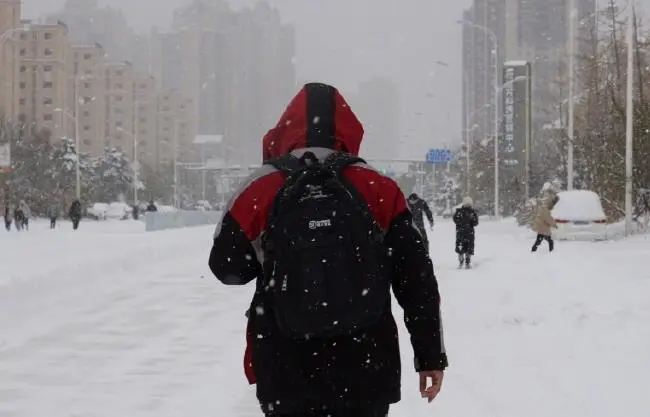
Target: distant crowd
19	214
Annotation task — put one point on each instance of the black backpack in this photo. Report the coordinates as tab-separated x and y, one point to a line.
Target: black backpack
326	264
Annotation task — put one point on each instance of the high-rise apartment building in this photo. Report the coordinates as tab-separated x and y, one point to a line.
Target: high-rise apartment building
145	110
174	128
43	80
119	103
87	95
9	63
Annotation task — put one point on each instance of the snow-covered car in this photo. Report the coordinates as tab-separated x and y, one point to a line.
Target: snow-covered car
97	211
580	216
119	211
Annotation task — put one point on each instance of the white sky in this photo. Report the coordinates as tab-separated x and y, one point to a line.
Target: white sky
348	41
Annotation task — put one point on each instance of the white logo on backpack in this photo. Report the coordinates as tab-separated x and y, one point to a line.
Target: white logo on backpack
317	224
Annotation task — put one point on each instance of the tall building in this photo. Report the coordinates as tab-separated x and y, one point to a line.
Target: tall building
146	107
174	129
43	80
9	63
87	95
377	106
119	103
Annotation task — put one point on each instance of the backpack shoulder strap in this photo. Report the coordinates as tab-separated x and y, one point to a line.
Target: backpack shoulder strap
287	164
338	161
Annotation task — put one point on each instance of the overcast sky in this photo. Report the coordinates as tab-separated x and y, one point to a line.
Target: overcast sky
347	41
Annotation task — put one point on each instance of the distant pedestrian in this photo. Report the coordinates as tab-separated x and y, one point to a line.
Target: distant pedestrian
419	208
75	214
544	222
8	218
53	215
151	208
27	213
466	220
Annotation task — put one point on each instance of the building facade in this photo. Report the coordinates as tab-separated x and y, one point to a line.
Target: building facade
9	63
43	81
86	97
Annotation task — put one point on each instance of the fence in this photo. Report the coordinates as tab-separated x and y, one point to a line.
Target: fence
180	219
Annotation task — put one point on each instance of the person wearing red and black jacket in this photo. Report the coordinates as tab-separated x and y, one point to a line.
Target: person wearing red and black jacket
349	376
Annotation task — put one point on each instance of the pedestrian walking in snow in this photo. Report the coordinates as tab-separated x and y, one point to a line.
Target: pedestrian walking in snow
53	215
544	222
151	208
19	218
419	208
8	218
466	220
27	213
75	214
325	238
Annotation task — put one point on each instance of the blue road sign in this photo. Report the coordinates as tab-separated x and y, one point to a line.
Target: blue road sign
439	156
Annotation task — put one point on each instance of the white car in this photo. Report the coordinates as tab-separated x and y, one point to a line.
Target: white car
580	216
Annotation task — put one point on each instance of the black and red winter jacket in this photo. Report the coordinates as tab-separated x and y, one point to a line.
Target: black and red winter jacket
295	376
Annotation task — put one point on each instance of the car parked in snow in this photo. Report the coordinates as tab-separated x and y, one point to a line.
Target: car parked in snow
579	215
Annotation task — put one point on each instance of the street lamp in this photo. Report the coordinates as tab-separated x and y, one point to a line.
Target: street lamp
629	133
76	141
495	41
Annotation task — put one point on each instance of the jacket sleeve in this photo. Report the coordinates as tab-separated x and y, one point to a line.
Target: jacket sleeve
474	218
233	259
416	290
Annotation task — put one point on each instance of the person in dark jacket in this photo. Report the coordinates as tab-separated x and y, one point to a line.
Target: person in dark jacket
75	214
466	220
419	208
7	217
353	375
19	218
151	208
53	215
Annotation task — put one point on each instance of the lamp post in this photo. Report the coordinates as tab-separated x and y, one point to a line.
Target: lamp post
629	133
495	41
76	144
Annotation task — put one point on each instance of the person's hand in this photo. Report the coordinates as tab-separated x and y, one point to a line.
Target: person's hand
430	384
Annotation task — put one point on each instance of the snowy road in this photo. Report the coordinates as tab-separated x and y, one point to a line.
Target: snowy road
114	321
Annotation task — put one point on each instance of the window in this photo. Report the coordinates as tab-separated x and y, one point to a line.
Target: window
22	117
87	100
47	84
118	98
119	86
87	56
165	108
47	101
22	101
118	124
86	113
23	68
48	52
142	120
143	132
143	86
47	68
23	36
23	85
86	128
165	129
48	36
47	117
86	85
23	52
87	142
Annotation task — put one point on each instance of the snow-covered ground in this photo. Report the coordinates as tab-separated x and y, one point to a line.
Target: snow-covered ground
114	321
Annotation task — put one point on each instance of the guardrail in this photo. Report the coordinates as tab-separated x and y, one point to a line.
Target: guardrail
180	219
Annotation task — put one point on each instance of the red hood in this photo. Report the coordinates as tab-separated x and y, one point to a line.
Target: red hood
318	116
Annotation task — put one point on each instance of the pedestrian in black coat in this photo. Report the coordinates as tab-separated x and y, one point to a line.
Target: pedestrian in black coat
466	220
419	208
